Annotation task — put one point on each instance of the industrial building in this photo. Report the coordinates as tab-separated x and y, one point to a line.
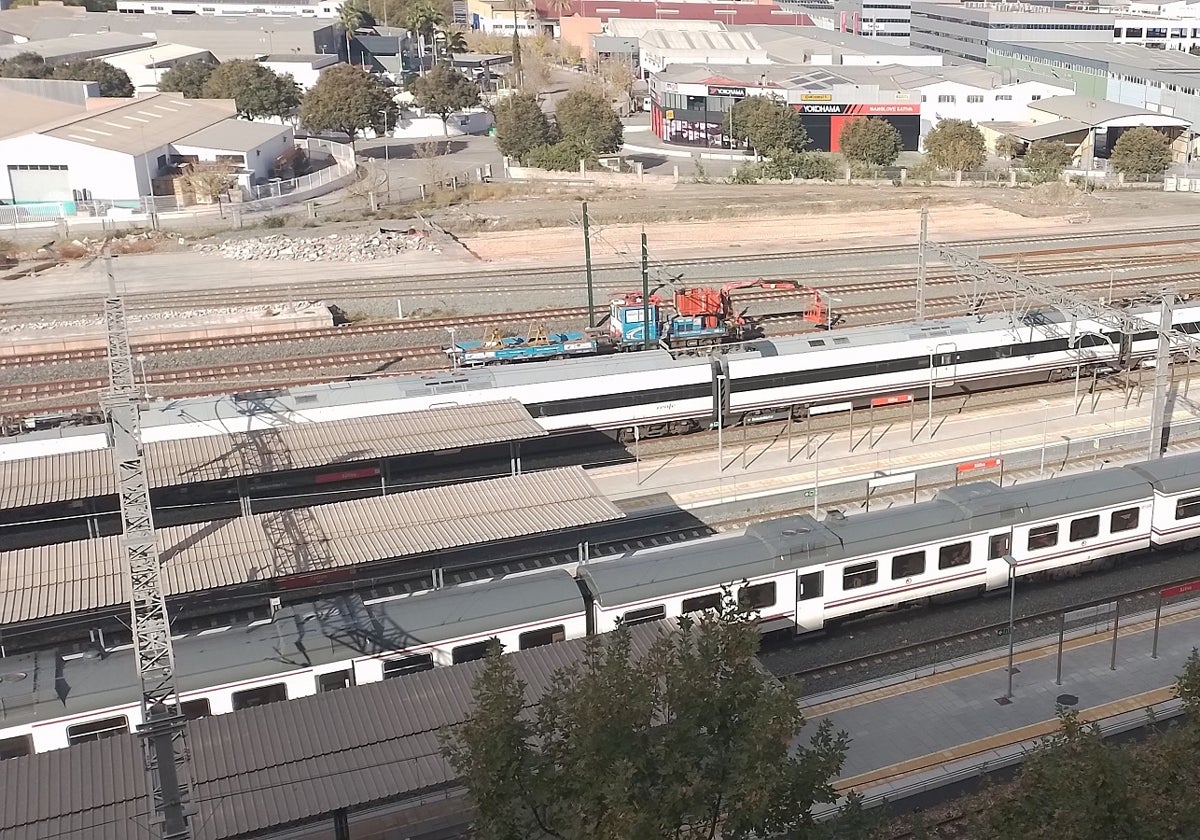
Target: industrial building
964	30
145	66
79	47
690	104
118	149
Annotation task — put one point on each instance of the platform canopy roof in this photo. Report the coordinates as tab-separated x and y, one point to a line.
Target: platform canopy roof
86	575
82	475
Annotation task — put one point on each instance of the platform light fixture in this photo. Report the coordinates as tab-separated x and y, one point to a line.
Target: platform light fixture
1012	611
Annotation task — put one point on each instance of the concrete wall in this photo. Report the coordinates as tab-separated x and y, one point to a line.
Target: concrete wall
258	160
303	72
578	30
468	122
105	173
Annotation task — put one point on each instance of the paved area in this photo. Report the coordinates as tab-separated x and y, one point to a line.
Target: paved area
914	730
1037	438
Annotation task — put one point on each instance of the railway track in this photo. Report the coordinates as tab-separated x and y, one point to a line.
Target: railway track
477	281
575	313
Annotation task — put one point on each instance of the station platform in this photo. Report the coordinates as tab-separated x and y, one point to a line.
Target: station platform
939	725
1041	438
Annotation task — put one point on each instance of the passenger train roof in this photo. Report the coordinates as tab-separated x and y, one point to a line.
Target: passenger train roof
1176	474
1045	499
299	636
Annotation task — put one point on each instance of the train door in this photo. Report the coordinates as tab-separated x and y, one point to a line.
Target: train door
945	364
810	601
720	375
999	546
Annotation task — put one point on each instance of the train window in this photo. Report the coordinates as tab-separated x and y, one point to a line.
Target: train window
908	565
337	680
864	574
540	638
408	665
700	603
261	696
1043	536
950	556
94	730
1085	527
811	586
1188	508
1123	520
15	747
469	653
999	546
757	597
194	709
642	616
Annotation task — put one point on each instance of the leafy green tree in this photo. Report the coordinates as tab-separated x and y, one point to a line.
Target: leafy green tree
348	100
112	80
870	141
256	90
522	126
1046	160
785	164
586	118
956	145
1141	151
188	78
562	156
350	18
768	126
26	65
444	90
687	741
1009	146
424	18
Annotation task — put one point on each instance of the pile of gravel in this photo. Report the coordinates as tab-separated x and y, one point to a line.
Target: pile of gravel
349	247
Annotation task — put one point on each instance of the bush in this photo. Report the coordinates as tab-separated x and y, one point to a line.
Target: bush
747	173
563	156
8	248
274	221
786	164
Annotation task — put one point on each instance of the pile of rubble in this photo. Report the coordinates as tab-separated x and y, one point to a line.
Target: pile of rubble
352	247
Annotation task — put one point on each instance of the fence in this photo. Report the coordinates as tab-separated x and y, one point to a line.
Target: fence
1002	177
106	214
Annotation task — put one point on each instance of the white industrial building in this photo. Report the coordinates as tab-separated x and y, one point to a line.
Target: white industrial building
145	67
116	150
305	69
304	8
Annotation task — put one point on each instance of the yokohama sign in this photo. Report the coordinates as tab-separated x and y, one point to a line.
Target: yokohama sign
858	109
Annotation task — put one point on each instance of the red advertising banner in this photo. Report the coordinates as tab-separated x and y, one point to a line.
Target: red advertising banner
985	464
894	399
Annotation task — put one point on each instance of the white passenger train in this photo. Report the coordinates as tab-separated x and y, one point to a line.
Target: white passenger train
797	573
664	395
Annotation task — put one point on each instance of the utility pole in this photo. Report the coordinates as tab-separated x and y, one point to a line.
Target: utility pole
647	341
162	730
1162	379
587	267
922	263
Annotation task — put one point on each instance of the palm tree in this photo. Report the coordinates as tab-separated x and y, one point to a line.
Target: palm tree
454	42
424	18
560	8
350	18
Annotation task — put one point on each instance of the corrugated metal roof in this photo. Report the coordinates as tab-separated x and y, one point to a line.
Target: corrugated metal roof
80	475
373	743
81	576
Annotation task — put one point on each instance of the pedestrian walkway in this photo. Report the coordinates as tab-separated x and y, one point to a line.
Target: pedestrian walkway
1042	438
921	730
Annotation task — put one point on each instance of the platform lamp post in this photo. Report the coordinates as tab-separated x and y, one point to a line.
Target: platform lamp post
1045	419
647	342
1012	613
587	268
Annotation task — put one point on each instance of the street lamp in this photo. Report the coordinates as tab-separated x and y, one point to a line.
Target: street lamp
1012	606
453	346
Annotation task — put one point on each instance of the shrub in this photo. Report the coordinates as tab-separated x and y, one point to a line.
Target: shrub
274	221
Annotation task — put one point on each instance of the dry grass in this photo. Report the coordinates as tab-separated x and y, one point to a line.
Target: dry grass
135	246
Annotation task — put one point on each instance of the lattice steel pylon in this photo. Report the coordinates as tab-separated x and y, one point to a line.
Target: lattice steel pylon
1171	341
162	730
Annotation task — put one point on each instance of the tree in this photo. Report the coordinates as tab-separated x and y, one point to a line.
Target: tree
560	8
346	99
454	42
350	18
562	156
444	90
26	65
786	164
870	141
684	742
956	145
1141	151
522	126
424	18
112	80
1009	146
586	118
1046	159
256	90
768	126
187	77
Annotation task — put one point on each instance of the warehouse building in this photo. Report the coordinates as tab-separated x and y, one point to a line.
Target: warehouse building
964	30
145	67
78	47
117	150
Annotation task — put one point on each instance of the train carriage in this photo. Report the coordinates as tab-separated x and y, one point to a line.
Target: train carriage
1176	485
